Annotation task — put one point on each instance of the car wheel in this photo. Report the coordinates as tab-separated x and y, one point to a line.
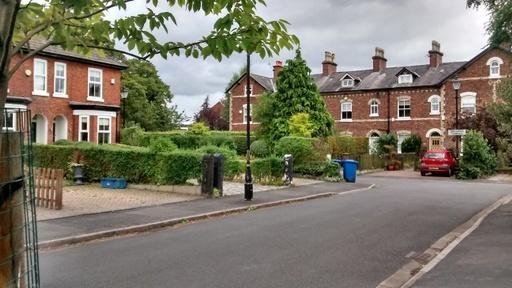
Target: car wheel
423	173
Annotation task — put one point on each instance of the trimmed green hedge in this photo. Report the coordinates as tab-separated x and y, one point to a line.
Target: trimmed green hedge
187	140
136	165
318	169
268	170
340	145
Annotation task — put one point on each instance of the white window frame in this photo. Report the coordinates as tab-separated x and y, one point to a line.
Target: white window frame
109	129
433	100
80	130
37	92
55	77
468	95
344	110
347	83
4	125
374	103
405	78
95	98
251	92
495	63
244	113
398	108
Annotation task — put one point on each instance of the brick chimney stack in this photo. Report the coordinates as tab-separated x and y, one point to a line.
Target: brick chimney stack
379	62
278	67
328	65
435	55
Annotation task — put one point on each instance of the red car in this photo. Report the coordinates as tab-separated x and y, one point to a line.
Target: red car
438	161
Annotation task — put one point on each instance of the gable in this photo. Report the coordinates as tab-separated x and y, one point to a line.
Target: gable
238	88
480	64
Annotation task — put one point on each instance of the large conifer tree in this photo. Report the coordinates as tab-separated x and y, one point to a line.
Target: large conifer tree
296	93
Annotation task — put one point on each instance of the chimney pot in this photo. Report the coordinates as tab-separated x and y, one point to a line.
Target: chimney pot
328	65
379	61
278	67
435	55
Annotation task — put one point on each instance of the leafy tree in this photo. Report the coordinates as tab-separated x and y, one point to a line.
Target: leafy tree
300	125
148	99
226	101
500	23
386	144
210	117
199	128
477	159
484	122
296	93
412	144
79	25
502	113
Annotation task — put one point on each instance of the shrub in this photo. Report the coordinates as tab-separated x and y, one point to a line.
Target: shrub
179	166
268	170
259	148
221	140
411	144
478	158
63	142
132	135
199	128
241	143
162	145
317	169
210	149
300	125
300	148
340	145
386	144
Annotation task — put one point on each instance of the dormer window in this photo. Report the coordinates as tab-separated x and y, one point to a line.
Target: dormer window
348	82
405	79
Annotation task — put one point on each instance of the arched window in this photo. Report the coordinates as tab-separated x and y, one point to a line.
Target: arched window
346	111
435	105
494	67
374	108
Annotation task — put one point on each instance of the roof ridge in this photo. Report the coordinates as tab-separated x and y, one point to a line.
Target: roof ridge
393	67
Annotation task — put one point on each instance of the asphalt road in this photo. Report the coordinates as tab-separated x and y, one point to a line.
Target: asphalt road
353	240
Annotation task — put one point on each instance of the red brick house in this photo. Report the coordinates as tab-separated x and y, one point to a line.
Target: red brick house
404	100
71	96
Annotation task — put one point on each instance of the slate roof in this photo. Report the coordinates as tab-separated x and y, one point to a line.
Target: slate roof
369	80
58	52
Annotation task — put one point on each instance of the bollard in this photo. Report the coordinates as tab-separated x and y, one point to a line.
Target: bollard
218	173
288	169
207	177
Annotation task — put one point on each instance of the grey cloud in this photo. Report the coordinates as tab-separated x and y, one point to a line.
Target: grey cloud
349	28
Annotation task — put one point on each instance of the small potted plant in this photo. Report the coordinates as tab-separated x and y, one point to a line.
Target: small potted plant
77	167
392	163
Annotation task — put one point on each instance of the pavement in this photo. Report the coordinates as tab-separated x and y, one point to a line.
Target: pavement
355	239
66	227
483	259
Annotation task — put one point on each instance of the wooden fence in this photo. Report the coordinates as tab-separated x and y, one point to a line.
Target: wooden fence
48	184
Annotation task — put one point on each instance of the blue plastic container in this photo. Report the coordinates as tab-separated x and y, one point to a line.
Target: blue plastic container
350	170
113	183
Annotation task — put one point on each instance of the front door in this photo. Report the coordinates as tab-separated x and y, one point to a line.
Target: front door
435	142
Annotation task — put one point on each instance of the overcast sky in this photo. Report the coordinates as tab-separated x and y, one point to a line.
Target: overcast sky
349	28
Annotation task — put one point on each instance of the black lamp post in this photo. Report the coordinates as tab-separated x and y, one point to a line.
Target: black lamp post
248	188
124	95
456	86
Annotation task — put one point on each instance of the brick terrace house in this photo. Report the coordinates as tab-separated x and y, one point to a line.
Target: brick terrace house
404	100
71	96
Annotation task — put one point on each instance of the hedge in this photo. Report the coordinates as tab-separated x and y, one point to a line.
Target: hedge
268	170
340	145
318	169
186	140
136	165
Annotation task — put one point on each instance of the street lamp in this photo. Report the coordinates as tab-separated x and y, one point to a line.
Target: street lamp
248	189
124	95
456	86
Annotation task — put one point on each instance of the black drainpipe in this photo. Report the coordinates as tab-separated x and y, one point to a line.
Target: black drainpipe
389	111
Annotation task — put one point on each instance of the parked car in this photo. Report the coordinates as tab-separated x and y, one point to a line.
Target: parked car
438	161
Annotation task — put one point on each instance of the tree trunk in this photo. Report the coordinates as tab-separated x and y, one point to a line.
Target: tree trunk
8	11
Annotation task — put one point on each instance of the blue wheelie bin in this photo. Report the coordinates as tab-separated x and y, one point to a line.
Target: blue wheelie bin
349	170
